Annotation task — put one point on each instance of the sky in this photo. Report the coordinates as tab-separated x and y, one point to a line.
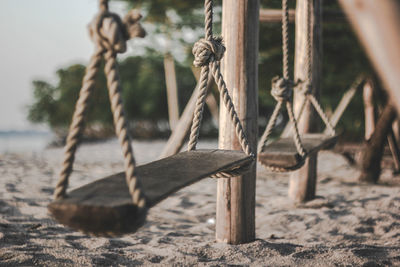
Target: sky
37	38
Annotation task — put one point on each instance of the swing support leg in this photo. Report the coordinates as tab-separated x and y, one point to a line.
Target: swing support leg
302	183
235	220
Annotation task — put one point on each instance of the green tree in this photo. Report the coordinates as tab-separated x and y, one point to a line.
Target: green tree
143	93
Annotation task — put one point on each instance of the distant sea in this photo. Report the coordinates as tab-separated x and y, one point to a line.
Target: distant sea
24	141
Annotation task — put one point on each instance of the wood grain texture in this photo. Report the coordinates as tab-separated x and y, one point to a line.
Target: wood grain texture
105	207
283	152
235	221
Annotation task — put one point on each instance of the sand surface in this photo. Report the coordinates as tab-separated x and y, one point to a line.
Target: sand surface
347	225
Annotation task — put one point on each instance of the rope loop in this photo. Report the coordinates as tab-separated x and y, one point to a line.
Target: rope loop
282	89
206	51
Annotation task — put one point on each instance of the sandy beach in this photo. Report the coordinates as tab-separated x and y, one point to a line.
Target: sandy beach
347	225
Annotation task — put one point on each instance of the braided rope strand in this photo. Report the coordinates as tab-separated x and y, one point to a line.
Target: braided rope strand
219	80
270	126
114	87
321	113
198	113
296	137
77	124
208	20
285	38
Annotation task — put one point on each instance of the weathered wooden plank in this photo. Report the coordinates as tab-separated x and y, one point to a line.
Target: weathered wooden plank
236	197
283	152
105	207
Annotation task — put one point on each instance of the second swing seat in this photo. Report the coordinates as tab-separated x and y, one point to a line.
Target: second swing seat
282	153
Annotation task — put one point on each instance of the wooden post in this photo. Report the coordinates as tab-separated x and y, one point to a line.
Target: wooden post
172	91
236	196
369	108
373	151
275	16
394	149
377	24
302	185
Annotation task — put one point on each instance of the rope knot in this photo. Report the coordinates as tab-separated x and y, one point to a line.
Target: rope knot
206	51
109	32
281	89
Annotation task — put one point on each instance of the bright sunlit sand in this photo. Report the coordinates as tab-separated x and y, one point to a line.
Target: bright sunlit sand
348	223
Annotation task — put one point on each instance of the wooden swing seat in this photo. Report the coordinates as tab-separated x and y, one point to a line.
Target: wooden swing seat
105	208
283	153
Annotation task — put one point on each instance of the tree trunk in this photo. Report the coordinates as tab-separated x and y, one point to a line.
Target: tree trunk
372	154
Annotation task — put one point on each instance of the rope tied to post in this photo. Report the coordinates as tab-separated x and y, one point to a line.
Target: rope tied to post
207	54
206	51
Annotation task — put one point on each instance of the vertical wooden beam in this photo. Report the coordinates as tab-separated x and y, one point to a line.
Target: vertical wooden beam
236	197
302	185
172	91
377	24
369	109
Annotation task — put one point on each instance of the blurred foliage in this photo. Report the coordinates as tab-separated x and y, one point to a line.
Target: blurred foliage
143	77
143	93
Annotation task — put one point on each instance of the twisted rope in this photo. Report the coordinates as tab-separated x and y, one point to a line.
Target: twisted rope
285	38
198	112
77	124
207	54
110	36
